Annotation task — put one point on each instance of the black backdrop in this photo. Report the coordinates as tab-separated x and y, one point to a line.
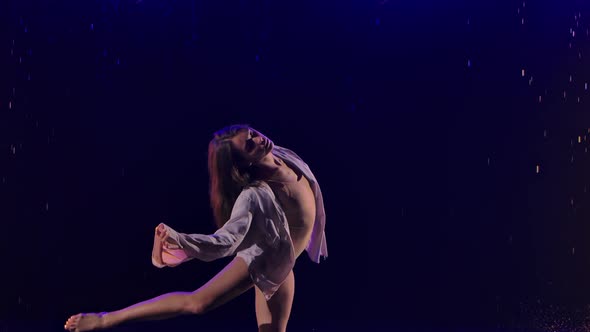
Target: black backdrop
449	138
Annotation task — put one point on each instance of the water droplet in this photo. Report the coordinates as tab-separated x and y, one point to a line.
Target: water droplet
522	21
489	160
468	63
540	99
522	72
538	169
10	105
571	78
47	206
573	251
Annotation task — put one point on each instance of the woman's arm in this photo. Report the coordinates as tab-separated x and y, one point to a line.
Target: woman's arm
177	248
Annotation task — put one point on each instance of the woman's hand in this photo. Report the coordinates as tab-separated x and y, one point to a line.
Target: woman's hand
165	251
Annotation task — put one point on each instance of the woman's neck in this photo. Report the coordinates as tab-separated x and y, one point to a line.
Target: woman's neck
267	167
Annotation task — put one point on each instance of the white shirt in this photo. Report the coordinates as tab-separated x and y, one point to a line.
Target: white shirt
257	231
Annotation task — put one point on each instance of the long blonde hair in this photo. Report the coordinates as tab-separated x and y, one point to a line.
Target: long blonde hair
227	173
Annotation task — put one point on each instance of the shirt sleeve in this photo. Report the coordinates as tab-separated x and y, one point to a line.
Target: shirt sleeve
222	243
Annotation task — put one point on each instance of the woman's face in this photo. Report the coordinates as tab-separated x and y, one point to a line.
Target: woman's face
251	145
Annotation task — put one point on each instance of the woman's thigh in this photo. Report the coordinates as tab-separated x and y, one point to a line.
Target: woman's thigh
229	283
273	315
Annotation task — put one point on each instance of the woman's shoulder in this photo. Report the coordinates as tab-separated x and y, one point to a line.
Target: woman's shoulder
254	188
254	185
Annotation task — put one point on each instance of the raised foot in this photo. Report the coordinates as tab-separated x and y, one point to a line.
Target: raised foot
85	322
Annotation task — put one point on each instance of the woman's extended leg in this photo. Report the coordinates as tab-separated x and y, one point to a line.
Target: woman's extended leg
273	315
232	281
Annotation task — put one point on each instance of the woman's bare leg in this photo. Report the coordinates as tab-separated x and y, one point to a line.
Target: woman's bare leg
232	281
273	315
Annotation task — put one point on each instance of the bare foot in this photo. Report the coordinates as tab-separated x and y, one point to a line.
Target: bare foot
85	322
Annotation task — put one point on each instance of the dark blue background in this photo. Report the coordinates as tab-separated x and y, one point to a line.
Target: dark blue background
414	116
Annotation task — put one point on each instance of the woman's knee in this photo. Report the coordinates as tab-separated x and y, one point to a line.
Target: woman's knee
196	305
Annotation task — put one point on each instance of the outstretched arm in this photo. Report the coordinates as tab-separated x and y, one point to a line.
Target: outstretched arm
172	248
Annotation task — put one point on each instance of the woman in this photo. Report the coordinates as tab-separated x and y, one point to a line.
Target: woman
269	209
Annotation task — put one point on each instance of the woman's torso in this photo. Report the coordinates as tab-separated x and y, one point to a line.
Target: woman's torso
296	197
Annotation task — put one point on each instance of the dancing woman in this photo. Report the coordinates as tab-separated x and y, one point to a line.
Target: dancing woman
269	209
